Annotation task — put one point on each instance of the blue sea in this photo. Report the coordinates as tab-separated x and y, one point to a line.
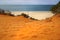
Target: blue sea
26	7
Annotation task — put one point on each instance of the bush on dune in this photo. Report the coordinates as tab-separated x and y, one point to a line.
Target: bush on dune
56	8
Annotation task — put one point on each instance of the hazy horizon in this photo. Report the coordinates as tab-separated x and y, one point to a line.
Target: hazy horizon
28	2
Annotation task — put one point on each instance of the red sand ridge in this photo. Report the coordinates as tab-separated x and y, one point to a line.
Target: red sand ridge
20	28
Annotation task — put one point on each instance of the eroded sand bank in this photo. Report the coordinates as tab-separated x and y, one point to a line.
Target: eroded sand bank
21	28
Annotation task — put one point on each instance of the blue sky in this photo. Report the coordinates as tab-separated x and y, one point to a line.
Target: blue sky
29	2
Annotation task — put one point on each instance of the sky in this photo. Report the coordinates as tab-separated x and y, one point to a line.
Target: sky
28	2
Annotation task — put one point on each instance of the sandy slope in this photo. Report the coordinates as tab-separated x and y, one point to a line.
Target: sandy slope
20	28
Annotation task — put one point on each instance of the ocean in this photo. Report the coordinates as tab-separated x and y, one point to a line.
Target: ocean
26	7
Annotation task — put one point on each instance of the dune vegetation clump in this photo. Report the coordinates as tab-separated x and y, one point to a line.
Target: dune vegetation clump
56	8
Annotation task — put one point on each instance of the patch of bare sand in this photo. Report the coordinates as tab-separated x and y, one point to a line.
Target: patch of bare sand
20	28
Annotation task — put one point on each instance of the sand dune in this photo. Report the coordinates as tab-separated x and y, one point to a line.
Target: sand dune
21	28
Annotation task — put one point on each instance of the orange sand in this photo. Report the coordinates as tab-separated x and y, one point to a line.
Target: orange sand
20	28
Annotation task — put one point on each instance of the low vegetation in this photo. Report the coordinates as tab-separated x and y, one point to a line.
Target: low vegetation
56	8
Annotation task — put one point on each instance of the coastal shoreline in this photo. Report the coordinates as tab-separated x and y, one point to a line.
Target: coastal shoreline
35	14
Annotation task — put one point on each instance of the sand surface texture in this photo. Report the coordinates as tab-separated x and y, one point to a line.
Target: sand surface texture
20	28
